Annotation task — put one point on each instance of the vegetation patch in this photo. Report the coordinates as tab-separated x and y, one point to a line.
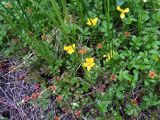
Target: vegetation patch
79	59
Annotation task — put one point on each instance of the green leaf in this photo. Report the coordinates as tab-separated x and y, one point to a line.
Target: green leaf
124	75
102	105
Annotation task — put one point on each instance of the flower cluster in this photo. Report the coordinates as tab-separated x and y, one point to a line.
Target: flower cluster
152	74
89	62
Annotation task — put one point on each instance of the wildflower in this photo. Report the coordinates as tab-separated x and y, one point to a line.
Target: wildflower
89	63
59	98
99	45
78	114
52	88
109	56
70	48
113	77
82	51
127	34
92	22
122	15
152	74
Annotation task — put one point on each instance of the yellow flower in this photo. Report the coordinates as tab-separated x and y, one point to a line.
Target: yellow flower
109	56
122	15
89	63
92	22
70	49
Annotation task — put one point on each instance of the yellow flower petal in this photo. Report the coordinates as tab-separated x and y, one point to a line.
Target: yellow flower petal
92	64
126	10
73	45
119	9
89	60
92	22
122	15
88	21
104	55
65	48
70	51
88	68
109	57
95	21
89	63
84	64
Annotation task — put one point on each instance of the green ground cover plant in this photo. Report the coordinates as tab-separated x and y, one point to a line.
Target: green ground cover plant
88	59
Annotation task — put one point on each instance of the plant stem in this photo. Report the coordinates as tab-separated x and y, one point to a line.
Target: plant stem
81	11
108	18
30	24
65	12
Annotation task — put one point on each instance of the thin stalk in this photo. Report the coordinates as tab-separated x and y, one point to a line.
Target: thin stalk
9	22
108	29
86	11
19	11
65	12
139	22
16	9
8	11
138	10
38	46
30	24
58	15
108	18
81	11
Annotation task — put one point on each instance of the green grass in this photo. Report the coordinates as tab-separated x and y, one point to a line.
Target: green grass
63	23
